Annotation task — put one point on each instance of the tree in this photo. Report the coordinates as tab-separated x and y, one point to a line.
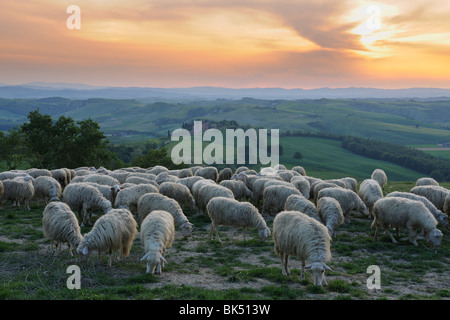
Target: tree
155	157
12	148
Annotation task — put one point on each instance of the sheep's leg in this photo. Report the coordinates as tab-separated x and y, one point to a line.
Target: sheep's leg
211	230
245	229
302	275
412	234
284	264
390	235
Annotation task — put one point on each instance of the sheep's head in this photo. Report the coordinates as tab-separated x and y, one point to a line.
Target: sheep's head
192	204
155	260
186	229
435	237
264	234
318	270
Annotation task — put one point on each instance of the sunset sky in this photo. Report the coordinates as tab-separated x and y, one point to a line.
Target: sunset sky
228	43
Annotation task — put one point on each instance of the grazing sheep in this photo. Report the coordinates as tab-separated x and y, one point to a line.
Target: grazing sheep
299	203
208	173
155	201
257	189
184	173
225	174
60	225
427	181
140	180
120	175
179	192
19	189
330	212
60	175
441	217
129	197
165	177
102	179
274	198
148	176
231	212
39	173
395	212
157	234
322	185
189	181
446	208
294	233
436	194
111	232
380	176
369	192
348	199
300	183
157	170
81	197
108	192
351	183
238	188
209	191
47	188
12	174
300	170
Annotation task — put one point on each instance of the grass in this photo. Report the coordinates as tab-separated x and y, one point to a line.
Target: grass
201	269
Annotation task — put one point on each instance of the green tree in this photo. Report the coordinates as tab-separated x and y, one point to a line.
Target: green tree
155	157
12	149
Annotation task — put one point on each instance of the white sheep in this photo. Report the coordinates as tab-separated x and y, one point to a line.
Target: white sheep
294	233
60	175
47	188
349	200
60	225
19	189
165	177
446	208
12	174
155	201
224	174
322	185
426	181
299	203
231	212
157	234
178	192
108	192
351	183
300	170
208	173
274	198
380	176
82	197
330	212
102	179
257	188
189	181
436	194
369	192
395	212
239	189
184	173
441	217
120	175
208	191
39	172
112	232
129	197
157	170
302	185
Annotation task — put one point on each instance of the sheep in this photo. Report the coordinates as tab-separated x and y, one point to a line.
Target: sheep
348	199
60	225
47	188
39	172
402	212
299	203
436	194
184	173
208	191
300	170
157	234
369	192
231	212
239	189
380	176
155	201
294	233
120	175
300	183
224	174
140	180
12	174
178	192
108	192
351	183
441	217
322	185
129	197
257	189
2	190
157	170
208	173
102	179
189	181
165	177
81	197
19	189
330	212
274	198
114	231
60	175
427	181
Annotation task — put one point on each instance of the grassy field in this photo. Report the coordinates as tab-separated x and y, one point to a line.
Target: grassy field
201	269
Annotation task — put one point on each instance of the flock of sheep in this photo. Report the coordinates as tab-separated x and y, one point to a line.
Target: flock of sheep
150	203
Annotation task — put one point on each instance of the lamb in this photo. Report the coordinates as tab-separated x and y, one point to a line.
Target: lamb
436	194
60	225
330	212
231	212
114	231
348	199
239	189
128	198
369	192
47	188
275	196
441	217
178	192
395	212
81	197
155	201
19	189
299	203
294	233
380	176
427	181
208	173
209	191
102	179
157	234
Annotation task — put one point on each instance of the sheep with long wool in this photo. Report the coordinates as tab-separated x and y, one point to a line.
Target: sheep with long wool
157	234
302	185
239	189
426	181
296	202
296	234
47	188
436	194
274	198
178	192
380	176
231	212
330	212
128	197
208	173
60	175
19	190
102	179
209	191
349	200
396	212
370	191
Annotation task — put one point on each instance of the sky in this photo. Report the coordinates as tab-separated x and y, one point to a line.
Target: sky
227	43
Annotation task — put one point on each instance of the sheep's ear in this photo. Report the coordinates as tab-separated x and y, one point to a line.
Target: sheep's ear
144	257
163	260
85	250
327	267
308	266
